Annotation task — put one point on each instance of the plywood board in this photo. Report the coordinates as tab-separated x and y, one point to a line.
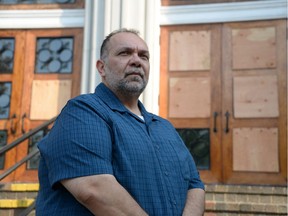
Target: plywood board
254	48
255	97
189	97
255	149
189	50
48	98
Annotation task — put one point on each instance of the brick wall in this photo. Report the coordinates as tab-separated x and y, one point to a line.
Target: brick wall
246	200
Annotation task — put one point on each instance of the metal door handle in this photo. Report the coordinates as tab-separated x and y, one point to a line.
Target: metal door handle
227	122
23	122
215	123
13	125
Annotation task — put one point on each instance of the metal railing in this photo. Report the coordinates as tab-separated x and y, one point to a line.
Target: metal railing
14	144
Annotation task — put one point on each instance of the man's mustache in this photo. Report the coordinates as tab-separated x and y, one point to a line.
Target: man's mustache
136	71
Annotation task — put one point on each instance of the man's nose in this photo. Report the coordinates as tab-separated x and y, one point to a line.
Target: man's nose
135	60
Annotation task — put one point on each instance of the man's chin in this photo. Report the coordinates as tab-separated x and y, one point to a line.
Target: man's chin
134	87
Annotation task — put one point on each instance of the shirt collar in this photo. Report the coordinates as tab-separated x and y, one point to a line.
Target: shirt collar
111	100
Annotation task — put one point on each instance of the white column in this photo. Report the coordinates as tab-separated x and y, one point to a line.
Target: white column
142	15
86	48
152	37
93	36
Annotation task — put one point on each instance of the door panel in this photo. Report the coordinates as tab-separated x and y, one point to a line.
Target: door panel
229	81
12	45
189	94
254	82
50	64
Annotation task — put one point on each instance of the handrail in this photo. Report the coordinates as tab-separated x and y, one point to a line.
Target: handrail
26	158
28	209
26	136
16	165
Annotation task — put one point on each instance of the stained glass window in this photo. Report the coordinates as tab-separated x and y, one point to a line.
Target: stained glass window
5	97
3	141
37	1
6	55
34	161
54	55
198	143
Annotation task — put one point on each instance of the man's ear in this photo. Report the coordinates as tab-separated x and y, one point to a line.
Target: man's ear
100	67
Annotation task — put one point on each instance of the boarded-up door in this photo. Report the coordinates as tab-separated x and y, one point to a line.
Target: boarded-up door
224	88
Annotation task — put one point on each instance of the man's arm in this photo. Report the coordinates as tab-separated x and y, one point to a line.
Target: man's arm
103	195
195	203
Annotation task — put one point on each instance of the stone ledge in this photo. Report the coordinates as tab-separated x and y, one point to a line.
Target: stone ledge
246	189
247	198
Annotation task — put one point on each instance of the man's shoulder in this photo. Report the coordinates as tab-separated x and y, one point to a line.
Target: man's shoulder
87	105
165	123
86	99
159	118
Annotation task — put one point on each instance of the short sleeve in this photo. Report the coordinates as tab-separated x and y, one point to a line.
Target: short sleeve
195	181
79	144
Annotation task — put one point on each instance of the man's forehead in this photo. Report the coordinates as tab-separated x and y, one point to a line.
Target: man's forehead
127	40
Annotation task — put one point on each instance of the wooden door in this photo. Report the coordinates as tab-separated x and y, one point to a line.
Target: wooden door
12	47
254	93
190	96
50	74
224	88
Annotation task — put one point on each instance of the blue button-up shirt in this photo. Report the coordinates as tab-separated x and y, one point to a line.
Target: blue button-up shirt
96	134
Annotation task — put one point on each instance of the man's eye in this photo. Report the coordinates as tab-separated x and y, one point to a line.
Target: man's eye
145	57
123	53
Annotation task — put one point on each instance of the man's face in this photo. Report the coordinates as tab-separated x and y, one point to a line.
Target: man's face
126	68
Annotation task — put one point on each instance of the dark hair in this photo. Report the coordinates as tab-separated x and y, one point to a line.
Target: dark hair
103	49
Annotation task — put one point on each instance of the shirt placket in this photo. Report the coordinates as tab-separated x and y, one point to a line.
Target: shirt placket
166	176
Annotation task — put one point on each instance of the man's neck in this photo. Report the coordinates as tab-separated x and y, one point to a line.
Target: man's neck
131	105
130	101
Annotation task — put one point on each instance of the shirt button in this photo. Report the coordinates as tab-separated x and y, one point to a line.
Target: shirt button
173	202
166	173
157	147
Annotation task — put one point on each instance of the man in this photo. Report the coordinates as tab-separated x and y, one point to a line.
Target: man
106	155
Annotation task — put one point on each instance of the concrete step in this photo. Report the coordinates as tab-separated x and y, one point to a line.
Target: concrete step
221	200
15	197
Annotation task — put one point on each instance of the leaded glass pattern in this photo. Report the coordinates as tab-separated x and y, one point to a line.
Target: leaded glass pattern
7	46
198	143
3	141
5	97
33	141
54	55
36	2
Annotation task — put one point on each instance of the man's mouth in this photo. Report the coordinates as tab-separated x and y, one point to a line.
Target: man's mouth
134	74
